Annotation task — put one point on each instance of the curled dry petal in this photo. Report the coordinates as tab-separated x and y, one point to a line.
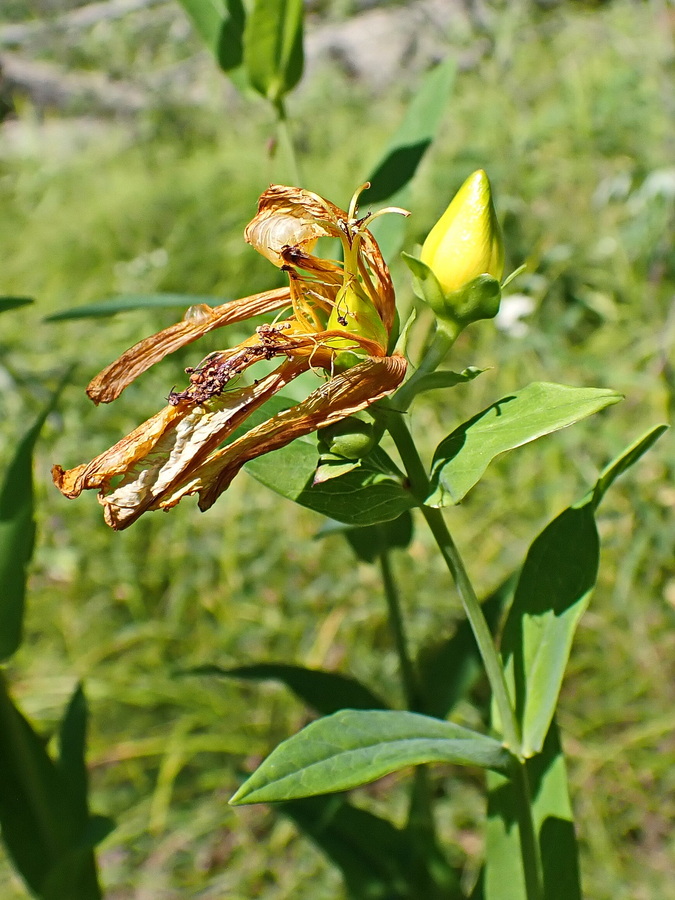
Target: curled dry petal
336	399
342	315
109	384
168	448
181	461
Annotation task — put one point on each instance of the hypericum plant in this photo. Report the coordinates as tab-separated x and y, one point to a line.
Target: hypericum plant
337	319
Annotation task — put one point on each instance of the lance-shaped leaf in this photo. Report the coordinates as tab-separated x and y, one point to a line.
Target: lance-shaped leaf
326	692
553	824
553	592
355	747
43	812
461	458
364	496
414	135
220	24
17	534
371	541
273	53
393	173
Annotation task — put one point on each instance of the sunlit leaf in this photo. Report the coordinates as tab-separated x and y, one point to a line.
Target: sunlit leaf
220	24
273	53
128	302
326	692
503	877
442	378
354	747
553	592
414	135
461	458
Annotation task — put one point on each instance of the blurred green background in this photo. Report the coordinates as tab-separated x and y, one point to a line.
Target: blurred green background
129	164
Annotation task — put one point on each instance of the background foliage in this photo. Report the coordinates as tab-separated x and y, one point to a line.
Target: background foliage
568	110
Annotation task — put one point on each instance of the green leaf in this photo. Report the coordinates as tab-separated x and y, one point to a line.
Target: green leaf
220	24
72	741
461	458
364	496
127	302
17	533
373	855
355	747
414	136
273	53
554	827
46	831
553	592
442	378
623	462
7	303
326	692
447	671
391	177
369	541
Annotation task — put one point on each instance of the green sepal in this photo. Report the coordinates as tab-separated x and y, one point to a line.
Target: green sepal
478	299
425	284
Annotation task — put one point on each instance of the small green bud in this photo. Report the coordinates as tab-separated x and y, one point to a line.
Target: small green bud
466	241
350	438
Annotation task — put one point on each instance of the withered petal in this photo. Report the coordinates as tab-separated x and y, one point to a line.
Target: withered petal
339	397
110	383
155	468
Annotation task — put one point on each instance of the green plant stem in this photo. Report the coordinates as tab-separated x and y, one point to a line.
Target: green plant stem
529	846
479	626
286	141
419	485
398	630
444	338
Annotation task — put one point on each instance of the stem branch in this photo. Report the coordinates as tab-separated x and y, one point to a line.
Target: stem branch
419	486
529	847
398	630
286	140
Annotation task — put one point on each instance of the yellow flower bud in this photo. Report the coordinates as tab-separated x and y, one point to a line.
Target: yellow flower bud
466	241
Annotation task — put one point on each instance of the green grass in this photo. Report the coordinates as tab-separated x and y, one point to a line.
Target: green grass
569	118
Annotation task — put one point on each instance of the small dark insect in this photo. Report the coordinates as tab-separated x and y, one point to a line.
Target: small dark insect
342	320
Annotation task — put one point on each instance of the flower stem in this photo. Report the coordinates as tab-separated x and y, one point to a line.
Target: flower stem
408	677
444	338
286	140
419	486
479	626
529	847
